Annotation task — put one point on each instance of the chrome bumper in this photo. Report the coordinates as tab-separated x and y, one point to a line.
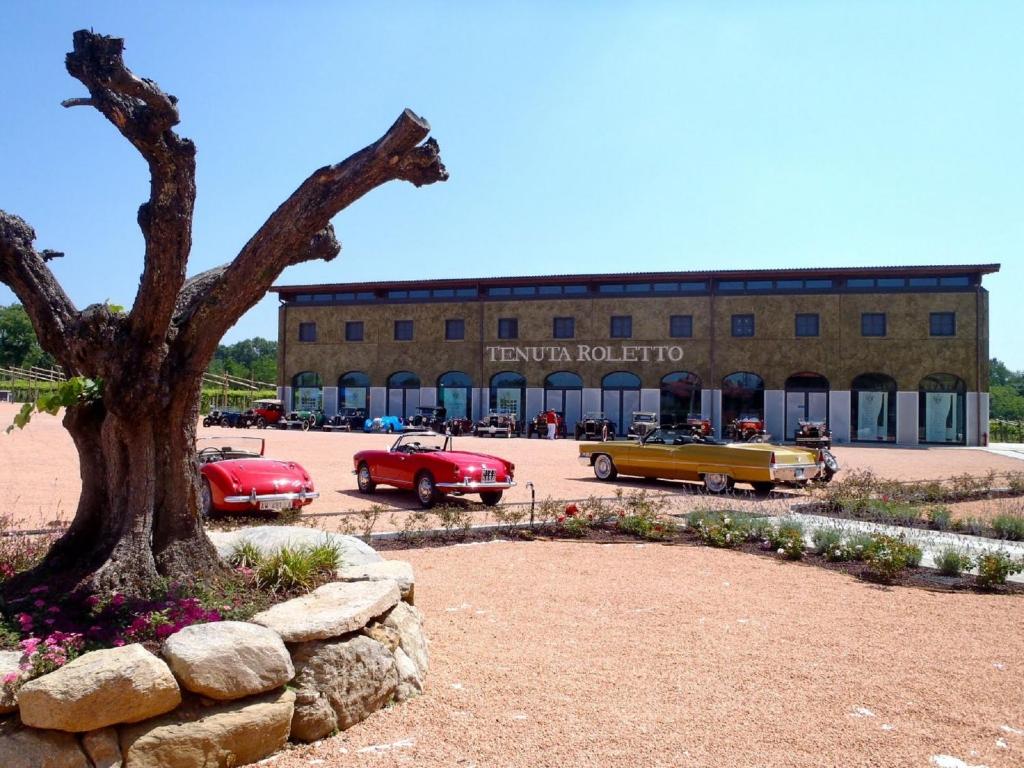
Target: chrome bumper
473	486
794	473
254	498
584	459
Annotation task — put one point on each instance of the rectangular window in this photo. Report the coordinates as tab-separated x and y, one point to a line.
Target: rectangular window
811	284
398	294
524	290
611	288
942	324
354	331
419	294
742	325
575	289
891	282
501	290
565	328
759	285
307	331
508	328
454	330
789	285
924	282
860	282
961	280
622	327
403	330
872	324
638	288
807	325
550	290
443	293
680	326
731	285
465	292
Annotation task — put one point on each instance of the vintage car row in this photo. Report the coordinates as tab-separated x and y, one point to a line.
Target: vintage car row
497	423
427	463
538	425
595	426
678	455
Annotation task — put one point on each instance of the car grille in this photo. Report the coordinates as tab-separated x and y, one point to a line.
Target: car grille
487	475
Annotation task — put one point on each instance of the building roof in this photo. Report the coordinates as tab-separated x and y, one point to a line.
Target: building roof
728	274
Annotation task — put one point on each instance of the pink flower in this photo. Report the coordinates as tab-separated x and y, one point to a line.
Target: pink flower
117	600
39	603
11	677
37	590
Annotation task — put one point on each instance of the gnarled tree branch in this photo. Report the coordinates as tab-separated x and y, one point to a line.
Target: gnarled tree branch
145	115
25	271
299	230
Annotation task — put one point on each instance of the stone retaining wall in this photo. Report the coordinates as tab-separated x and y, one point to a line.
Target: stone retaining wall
228	693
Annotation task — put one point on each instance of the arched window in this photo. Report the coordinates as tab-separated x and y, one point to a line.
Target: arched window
508	393
354	391
620	397
403	394
453	392
680	397
942	409
563	392
873	407
806	400
742	396
307	391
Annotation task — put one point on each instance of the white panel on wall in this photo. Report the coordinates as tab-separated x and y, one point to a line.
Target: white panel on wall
906	418
716	412
985	437
707	397
481	400
280	394
775	414
330	401
286	399
428	396
650	400
591	399
378	401
839	415
534	402
973	434
412	402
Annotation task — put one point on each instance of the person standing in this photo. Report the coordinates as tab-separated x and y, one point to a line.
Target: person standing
552	421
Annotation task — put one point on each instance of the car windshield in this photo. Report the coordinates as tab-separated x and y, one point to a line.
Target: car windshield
419	442
668	437
594	415
643	417
220	447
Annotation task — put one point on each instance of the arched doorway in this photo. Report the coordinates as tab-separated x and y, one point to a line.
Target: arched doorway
354	391
620	396
453	393
508	393
942	409
873	408
680	397
742	395
563	391
307	391
403	394
806	399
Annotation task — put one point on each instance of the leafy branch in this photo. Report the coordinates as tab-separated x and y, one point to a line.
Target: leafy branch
77	390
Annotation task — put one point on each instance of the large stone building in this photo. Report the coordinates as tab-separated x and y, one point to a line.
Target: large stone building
890	354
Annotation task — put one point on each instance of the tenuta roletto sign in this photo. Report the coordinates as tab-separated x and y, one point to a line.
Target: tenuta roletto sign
585	353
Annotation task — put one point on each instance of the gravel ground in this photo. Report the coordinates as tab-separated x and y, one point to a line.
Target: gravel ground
578	654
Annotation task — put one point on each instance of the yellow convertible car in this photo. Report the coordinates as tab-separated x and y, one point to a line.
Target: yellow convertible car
676	455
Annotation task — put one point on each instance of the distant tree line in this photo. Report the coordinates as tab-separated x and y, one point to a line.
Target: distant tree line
1007	392
249	359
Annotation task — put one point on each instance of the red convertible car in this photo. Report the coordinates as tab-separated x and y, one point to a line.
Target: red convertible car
425	462
237	477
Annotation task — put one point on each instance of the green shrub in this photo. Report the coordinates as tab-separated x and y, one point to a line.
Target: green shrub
826	539
788	539
453	518
970	525
296	567
953	561
889	555
1009	525
720	529
939	518
1015	482
995	566
245	555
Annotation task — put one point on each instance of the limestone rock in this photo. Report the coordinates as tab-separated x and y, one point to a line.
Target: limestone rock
408	622
410	682
340	683
398	570
103	748
270	538
22	747
386	636
228	659
9	661
332	610
100	688
226	734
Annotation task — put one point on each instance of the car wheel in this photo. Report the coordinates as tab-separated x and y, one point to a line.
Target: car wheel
205	499
426	490
391	428
604	467
716	482
761	490
206	421
756	439
365	479
261	423
490	498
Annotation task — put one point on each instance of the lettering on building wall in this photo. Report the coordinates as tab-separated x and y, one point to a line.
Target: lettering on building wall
586	353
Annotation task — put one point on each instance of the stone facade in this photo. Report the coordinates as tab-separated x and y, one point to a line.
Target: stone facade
908	352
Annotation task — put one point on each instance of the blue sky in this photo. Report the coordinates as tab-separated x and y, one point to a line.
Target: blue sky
580	137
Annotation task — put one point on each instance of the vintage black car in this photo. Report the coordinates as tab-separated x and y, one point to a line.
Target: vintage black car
813	434
497	423
459	426
347	420
217	418
594	426
643	423
538	425
428	417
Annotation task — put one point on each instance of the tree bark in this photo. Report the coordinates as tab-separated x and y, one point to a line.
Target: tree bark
138	516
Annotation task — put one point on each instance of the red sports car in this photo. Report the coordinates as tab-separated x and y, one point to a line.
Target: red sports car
425	462
237	478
